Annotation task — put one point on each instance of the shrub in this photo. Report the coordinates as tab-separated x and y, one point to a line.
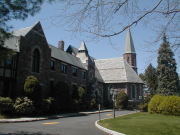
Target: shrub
32	88
122	100
43	106
170	105
54	106
154	104
23	105
81	92
93	104
144	107
108	104
5	103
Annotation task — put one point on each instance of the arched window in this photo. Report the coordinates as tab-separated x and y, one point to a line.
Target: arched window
35	61
133	91
128	60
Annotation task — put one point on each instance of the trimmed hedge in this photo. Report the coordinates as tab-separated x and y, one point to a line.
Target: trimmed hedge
32	88
170	105
23	105
167	105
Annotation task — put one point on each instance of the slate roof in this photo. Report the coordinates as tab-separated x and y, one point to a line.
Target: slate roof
129	46
116	70
21	32
75	50
12	43
66	57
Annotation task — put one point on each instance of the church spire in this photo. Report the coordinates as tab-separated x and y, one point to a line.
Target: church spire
129	46
129	51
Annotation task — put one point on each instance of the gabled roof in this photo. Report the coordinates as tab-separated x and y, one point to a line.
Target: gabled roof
12	43
75	50
83	47
65	57
21	32
116	70
129	46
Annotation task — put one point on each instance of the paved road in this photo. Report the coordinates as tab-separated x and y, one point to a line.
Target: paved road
80	125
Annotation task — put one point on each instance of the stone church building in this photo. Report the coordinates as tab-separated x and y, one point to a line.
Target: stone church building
51	65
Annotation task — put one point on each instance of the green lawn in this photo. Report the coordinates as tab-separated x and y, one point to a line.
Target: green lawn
144	124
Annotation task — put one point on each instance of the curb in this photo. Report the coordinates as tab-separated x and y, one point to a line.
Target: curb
108	130
53	117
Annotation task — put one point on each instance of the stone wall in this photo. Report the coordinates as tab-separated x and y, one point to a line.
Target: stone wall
27	45
57	76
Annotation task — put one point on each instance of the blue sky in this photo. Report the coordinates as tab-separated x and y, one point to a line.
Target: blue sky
99	50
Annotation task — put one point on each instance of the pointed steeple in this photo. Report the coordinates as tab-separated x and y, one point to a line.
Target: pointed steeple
129	46
82	47
129	51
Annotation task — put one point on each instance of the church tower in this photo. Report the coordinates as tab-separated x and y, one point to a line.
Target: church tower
89	64
129	51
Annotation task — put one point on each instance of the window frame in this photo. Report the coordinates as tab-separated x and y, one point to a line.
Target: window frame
63	68
83	75
133	92
74	72
53	67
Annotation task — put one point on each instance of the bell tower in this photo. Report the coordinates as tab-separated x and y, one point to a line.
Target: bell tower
129	51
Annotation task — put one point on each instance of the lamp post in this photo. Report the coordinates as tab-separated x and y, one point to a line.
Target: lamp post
113	93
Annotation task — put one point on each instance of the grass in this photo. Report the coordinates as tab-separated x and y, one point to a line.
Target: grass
144	124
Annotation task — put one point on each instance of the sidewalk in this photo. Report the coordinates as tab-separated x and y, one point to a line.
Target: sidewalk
29	119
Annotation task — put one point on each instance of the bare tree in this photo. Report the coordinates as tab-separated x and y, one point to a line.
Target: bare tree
108	18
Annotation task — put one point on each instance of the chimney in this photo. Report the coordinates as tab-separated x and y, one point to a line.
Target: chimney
61	45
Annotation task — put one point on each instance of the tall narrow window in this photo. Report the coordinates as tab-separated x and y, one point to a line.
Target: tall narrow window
83	75
133	61
133	92
64	69
128	60
35	61
74	72
52	65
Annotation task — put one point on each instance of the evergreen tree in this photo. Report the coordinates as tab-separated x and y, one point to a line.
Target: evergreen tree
151	79
143	78
168	81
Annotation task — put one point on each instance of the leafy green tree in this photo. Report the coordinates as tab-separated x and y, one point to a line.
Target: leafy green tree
143	78
122	100
14	9
168	80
